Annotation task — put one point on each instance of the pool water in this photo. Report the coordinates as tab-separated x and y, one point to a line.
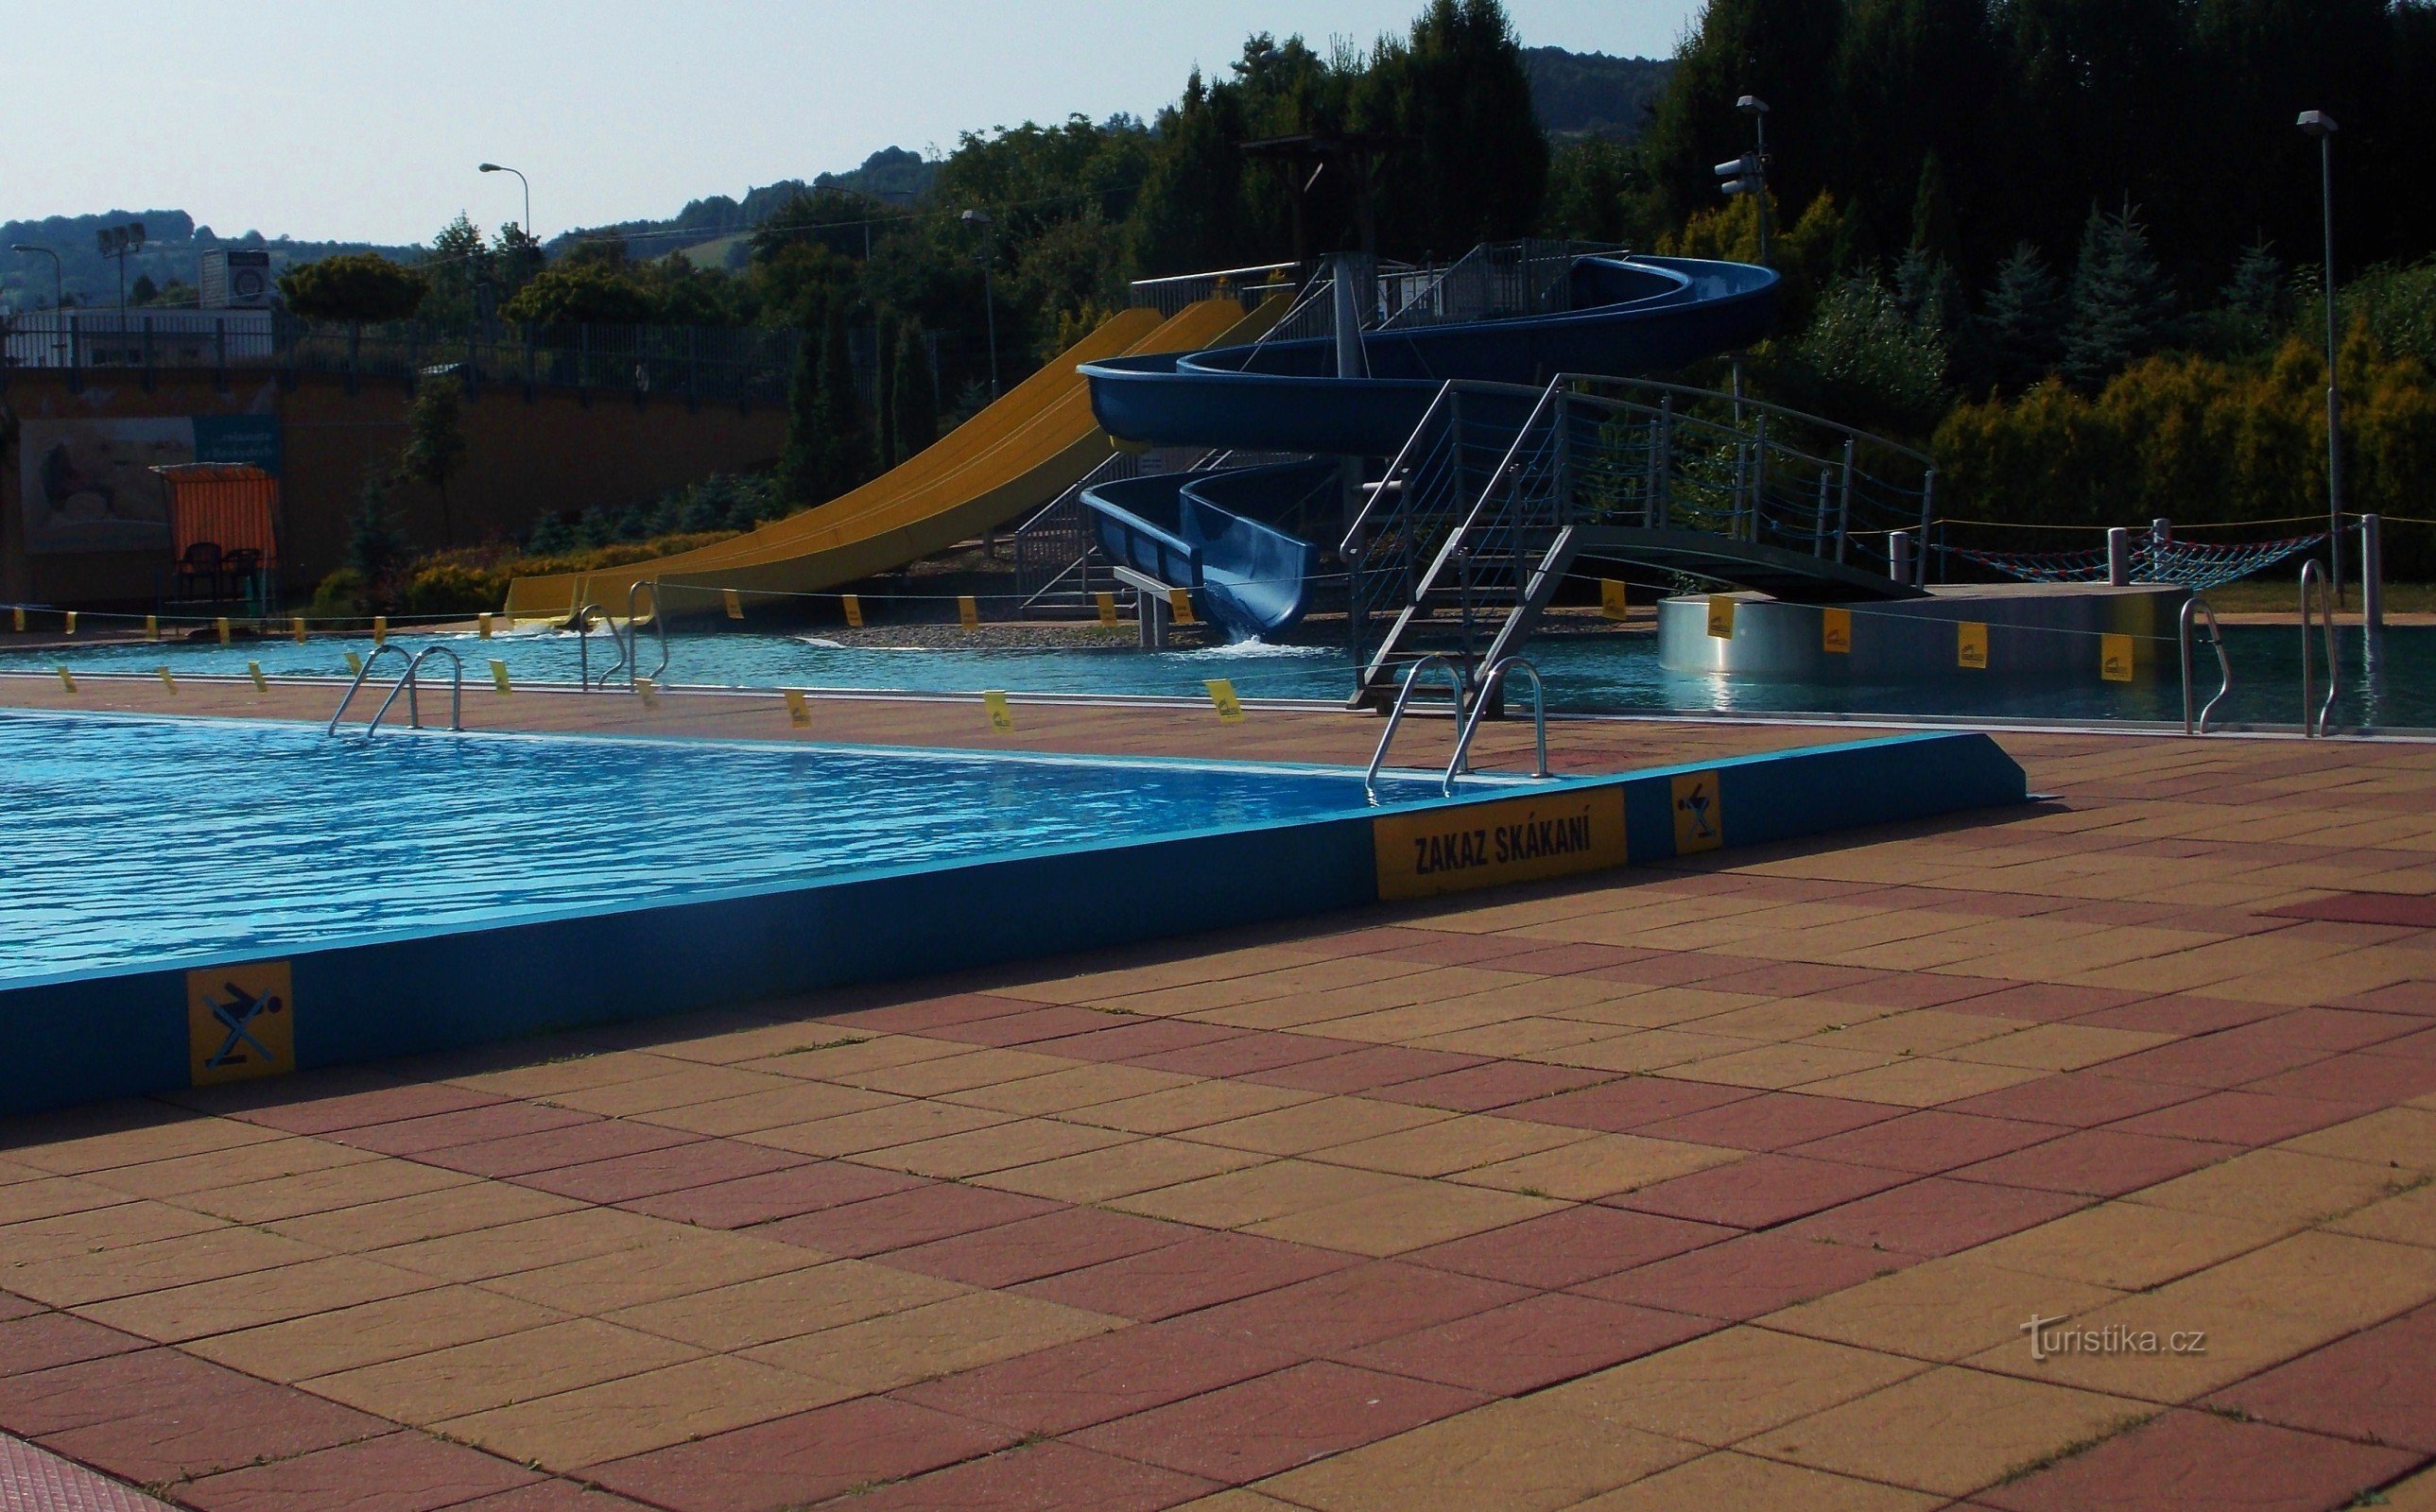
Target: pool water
133	839
1593	673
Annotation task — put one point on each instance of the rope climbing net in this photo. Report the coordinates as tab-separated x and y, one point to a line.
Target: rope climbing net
2193	564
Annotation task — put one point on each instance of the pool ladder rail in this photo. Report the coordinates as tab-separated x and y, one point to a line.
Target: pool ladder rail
2317	719
1467	719
2195	718
408	682
628	661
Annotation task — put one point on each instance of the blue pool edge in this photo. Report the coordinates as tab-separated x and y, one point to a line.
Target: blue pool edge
158	1028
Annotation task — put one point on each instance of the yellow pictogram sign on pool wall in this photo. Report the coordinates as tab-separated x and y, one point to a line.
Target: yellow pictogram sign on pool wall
2114	658
1613	603
1488	845
1970	645
1222	695
1835	632
1700	817
240	1022
1721	617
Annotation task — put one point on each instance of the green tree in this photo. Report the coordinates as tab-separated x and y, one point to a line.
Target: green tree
2020	331
1596	192
915	407
1870	361
847	445
353	287
377	549
581	293
802	464
459	268
2122	307
435	445
2252	310
1458	89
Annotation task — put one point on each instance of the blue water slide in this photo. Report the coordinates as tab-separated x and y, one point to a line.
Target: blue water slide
1234	537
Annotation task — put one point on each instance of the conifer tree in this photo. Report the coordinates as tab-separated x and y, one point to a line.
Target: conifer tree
884	391
2253	301
2020	331
2122	306
801	464
915	406
845	446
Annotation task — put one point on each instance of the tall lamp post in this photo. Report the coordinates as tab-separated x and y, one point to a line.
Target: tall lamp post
2322	126
499	167
989	304
59	296
1749	175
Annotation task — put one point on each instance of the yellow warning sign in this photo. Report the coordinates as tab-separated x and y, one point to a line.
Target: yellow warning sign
1108	606
240	1022
151	626
1835	632
1001	717
17	619
1222	694
967	612
1179	605
499	678
735	603
482	626
1515	839
167	681
222	626
1700	817
296	623
1721	617
1970	645
66	679
799	713
648	691
2114	658
1612	600
355	663
261	684
380	629
71	619
853	610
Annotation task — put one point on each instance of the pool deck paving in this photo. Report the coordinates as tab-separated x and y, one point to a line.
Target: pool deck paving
1726	1183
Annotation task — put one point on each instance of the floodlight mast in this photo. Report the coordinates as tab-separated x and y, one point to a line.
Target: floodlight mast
2322	126
1748	174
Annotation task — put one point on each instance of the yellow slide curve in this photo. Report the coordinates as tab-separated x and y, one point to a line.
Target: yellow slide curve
1028	446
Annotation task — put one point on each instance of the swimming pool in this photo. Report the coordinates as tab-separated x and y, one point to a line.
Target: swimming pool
1586	673
130	839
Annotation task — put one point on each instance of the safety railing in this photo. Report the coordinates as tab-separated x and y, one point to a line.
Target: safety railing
630	659
1460	762
581	622
1169	295
2317	719
1395	715
409	682
2195	718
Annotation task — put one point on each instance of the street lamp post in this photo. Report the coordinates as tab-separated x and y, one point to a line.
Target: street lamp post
500	167
1756	108
2322	126
990	301
58	295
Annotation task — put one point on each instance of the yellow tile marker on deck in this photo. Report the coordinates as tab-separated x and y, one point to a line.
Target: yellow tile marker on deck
296	623
735	603
1835	632
1222	695
71	617
853	605
1970	645
380	629
967	612
261	684
1108	605
500	682
222	627
2114	658
1001	718
1721	617
355	664
167	681
1612	603
66	681
648	691
482	626
151	626
799	713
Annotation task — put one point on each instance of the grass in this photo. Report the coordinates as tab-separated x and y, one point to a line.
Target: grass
2271	596
2077	1447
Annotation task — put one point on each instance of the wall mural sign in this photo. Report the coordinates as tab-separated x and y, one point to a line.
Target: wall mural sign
87	484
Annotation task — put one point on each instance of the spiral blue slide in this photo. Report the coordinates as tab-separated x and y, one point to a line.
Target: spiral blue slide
1244	542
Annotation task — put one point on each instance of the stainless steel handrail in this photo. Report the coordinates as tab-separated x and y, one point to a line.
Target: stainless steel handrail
1395	715
581	619
362	673
1458	765
411	681
2318	722
2193	607
629	654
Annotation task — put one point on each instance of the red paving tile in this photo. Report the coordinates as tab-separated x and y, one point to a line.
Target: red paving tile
386	1105
1330	1313
784	1193
524	1153
2415	997
1244	1054
1671	968
1913	989
1198	1273
13	1307
1029	1248
550	1496
1032	1024
2099	1164
2080	1100
1771	1120
398	1473
1276	1422
1760	1192
1103	1378
1496	1084
1442	948
1568	959
1568	1247
474	1125
702	1163
938	1210
2377	1386
2179	1016
1936	1216
2198	1462
1929	1142
162	1416
931	1016
40	1340
1530	1344
2241	1117
1633	1101
1111	1037
794	1461
1744	1277
1047	1477
2047	1003
1793	979
2367	1078
1360	1071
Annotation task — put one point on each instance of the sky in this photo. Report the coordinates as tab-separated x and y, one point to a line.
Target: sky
363	119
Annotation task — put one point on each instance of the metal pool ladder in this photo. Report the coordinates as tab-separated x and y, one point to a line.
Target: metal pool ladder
2317	719
1457	763
1396	714
2196	723
629	660
408	682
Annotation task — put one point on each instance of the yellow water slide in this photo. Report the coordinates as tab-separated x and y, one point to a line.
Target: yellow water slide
1031	445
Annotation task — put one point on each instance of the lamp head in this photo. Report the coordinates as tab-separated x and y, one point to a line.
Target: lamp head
2317	124
1751	105
489	168
975	218
25	247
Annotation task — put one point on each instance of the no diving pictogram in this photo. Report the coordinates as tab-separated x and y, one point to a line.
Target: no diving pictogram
1700	815
240	1022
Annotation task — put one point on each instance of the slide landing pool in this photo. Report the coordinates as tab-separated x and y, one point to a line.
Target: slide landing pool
321	901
